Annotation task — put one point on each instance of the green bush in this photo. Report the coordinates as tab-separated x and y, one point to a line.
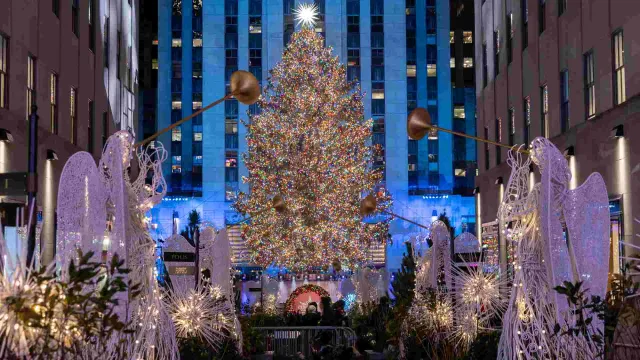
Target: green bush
484	347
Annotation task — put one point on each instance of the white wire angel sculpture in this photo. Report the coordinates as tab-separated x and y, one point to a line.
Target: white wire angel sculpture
547	255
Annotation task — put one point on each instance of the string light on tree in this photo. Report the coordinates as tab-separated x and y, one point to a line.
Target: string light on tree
308	147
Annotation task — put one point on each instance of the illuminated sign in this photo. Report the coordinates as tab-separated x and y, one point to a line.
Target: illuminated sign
182	270
179	256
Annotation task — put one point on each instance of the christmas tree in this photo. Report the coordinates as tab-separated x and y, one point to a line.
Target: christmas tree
309	145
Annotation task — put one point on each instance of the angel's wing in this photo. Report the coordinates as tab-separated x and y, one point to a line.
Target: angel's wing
81	215
586	213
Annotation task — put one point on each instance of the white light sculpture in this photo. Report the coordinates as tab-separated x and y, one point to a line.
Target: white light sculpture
546	255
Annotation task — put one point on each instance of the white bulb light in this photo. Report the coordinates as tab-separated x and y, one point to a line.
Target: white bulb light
306	14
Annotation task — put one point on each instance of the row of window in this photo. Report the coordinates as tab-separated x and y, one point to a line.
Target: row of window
377	82
176	96
231	106
196	86
31	91
353	40
412	93
589	98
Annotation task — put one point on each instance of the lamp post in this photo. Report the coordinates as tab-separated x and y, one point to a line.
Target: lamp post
196	242
32	183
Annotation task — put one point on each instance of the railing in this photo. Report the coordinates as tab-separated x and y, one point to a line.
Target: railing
292	340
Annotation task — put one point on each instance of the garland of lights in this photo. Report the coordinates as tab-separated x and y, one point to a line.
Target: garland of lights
288	307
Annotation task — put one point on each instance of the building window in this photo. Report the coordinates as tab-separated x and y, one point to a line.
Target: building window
589	85
92	28
105	128
288	6
255	38
496	45
510	34
4	67
75	15
458	112
484	65
512	126
378	76
542	21
55	7
431	70
73	108
467	62
544	110
31	84
53	85
527	119
176	164
90	128
486	149
460	172
231	162
564	100
411	71
498	135
431	20
118	54
562	6
176	133
467	37
525	23
619	87
105	48
129	73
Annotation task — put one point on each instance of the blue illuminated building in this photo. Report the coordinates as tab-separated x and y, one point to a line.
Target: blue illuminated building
406	54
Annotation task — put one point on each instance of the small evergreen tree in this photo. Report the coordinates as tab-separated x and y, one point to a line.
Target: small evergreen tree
402	289
190	229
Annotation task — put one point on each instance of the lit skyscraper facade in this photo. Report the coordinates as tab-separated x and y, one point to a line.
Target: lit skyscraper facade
404	53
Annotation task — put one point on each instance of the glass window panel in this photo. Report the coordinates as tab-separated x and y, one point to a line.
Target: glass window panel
467	37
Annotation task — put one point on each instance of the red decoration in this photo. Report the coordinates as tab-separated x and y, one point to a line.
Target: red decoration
309	288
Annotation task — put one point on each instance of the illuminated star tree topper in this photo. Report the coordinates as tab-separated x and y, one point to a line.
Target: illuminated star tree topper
306	14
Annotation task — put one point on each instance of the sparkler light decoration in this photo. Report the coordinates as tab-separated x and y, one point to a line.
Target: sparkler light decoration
430	315
15	337
309	145
306	14
480	290
478	300
201	313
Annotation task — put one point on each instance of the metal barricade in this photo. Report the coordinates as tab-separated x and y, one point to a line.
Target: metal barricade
292	340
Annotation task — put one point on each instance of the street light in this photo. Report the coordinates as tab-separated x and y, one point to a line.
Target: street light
5	135
52	155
